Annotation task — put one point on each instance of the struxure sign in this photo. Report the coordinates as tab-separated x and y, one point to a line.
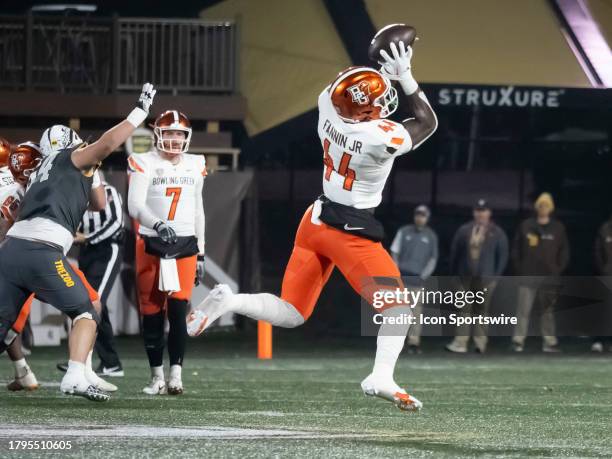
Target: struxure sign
509	96
516	96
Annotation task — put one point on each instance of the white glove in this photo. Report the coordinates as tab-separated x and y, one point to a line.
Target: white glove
140	113
398	67
146	97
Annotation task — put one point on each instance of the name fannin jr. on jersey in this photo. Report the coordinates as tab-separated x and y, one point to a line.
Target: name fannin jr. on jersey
341	139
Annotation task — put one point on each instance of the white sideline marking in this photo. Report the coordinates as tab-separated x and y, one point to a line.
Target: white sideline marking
133	431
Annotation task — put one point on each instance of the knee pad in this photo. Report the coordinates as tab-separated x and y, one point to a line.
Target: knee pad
84	311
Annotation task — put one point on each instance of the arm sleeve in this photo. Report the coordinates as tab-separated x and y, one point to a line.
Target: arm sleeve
200	221
501	258
430	266
137	195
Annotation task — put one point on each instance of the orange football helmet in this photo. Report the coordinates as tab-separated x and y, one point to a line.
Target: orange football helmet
23	160
164	129
5	151
363	94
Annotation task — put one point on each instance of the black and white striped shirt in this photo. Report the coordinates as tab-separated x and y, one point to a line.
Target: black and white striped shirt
100	226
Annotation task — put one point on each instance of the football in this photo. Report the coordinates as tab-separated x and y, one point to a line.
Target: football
389	34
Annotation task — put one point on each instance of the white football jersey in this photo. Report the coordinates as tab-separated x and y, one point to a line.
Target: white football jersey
11	195
357	157
171	194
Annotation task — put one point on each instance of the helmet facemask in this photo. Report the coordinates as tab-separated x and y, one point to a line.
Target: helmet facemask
24	161
28	172
170	143
388	102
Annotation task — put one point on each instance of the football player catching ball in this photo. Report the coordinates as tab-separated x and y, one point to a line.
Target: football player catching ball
360	145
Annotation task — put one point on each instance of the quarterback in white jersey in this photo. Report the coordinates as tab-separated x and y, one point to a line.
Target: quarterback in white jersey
165	198
339	230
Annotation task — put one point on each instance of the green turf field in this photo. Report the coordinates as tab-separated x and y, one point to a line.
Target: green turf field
307	403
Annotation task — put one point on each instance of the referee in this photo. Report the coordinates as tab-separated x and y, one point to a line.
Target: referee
101	237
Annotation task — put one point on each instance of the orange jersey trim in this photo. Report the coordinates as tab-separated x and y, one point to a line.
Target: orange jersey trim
134	165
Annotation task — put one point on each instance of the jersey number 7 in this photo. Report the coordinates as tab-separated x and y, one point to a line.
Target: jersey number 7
176	195
348	174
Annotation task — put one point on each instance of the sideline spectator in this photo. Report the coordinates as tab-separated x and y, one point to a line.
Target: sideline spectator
415	251
479	253
540	248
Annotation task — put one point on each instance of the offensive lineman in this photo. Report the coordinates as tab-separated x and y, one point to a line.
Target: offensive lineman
33	258
359	146
165	197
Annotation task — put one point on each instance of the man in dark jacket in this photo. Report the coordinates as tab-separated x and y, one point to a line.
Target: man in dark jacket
479	252
603	263
540	248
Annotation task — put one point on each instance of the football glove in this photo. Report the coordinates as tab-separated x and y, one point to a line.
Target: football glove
165	233
394	66
140	113
397	67
146	97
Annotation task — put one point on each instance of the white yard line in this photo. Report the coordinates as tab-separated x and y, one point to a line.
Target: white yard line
134	431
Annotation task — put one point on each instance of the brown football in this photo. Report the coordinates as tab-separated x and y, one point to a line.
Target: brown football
389	34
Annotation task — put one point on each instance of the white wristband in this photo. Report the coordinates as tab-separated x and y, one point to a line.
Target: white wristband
408	83
137	117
